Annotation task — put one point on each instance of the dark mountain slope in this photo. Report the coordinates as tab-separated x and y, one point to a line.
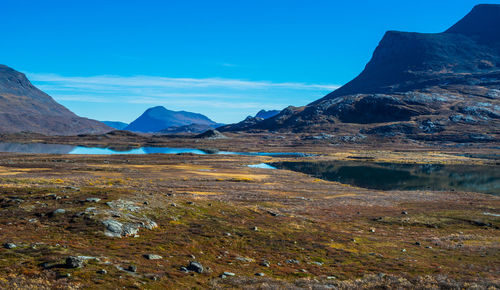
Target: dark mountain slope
441	86
25	108
159	118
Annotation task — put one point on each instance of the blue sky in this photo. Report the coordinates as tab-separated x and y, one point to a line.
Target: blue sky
110	60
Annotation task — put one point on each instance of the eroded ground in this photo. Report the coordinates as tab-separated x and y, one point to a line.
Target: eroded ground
295	230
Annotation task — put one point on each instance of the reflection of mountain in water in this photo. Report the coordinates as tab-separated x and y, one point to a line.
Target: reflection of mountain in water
392	176
38	148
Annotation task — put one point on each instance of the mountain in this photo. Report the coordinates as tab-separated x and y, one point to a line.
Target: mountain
115	124
25	108
159	118
267	114
429	86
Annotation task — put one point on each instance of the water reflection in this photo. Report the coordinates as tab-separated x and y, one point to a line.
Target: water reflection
69	149
393	176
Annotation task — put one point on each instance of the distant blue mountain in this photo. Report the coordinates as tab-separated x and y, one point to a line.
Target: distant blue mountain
115	124
159	118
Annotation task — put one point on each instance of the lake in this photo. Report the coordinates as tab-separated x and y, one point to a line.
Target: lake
42	148
395	176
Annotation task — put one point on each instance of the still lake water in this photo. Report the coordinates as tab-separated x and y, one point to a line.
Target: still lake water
41	148
394	176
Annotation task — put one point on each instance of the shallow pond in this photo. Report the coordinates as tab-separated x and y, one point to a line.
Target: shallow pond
41	148
394	176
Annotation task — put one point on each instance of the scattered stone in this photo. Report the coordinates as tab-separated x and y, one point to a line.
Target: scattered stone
192	256
146	203
93	199
403	250
113	228
173	204
229	274
372	230
260	274
132	268
102	272
74	262
255	229
130	230
58	211
404	212
417	243
9	245
195	266
245	259
149	224
223	276
228	234
184	269
303	270
293	261
65	275
317	263
265	264
153	257
190	202
331	277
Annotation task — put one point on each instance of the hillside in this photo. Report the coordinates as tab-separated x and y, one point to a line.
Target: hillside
440	86
25	108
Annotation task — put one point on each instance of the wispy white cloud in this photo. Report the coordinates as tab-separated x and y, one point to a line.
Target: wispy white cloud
221	98
108	81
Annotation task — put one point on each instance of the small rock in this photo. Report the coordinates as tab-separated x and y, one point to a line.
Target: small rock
102	272
331	277
372	230
417	243
303	270
195	266
260	274
265	264
190	202
229	274
9	245
65	275
173	204
132	268
93	199
192	256
146	203
223	276
228	234
293	261
74	262
403	250
255	229
57	212
184	269
404	212
153	257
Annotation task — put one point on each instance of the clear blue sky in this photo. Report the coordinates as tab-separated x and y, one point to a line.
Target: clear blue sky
110	60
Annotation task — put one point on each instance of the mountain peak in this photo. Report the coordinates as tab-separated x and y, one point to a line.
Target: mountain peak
160	118
482	24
